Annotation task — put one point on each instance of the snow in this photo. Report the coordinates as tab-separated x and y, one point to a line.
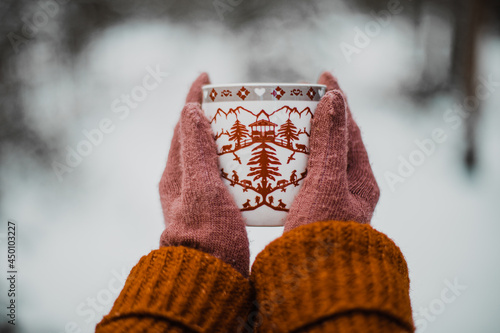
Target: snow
79	237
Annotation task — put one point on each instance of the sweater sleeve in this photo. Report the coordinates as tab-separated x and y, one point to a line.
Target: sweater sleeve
332	277
178	289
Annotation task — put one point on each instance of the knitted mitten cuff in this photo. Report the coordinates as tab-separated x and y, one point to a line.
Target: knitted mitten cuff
343	274
178	289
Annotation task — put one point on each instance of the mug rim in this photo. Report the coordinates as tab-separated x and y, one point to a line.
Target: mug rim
263	84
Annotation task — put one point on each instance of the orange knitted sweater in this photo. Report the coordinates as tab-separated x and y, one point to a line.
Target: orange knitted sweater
322	277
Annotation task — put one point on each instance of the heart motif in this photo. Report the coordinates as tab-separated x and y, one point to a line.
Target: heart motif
321	92
260	91
205	93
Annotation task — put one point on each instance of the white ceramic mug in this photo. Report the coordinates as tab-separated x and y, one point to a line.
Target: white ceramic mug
262	134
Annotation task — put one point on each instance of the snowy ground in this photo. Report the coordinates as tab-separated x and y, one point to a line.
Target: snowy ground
79	237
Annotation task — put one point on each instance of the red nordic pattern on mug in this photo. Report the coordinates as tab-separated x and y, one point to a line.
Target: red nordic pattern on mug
311	93
226	93
260	136
243	93
277	93
261	131
213	94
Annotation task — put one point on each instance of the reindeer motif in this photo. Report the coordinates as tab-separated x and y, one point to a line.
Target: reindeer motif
301	147
281	204
222	173
281	182
246	204
246	184
226	148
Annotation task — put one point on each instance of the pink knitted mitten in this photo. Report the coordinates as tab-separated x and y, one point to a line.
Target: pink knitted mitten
199	211
340	184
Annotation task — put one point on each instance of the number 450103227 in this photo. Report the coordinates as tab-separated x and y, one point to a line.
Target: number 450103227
11	239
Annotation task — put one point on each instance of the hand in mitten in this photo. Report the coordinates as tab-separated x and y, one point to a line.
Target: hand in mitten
199	211
339	184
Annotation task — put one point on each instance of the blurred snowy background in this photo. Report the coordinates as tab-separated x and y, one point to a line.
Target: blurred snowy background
422	79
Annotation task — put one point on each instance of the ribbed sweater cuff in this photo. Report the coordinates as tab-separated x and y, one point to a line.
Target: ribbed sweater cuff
344	275
180	289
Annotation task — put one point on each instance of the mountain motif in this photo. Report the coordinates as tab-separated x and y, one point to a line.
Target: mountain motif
235	111
290	111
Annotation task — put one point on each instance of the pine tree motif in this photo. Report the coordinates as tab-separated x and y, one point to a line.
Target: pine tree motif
238	132
288	131
263	157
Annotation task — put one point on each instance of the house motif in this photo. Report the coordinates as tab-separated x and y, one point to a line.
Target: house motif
263	129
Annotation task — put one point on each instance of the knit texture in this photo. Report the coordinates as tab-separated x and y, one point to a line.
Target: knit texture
332	277
340	184
177	289
199	211
356	322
